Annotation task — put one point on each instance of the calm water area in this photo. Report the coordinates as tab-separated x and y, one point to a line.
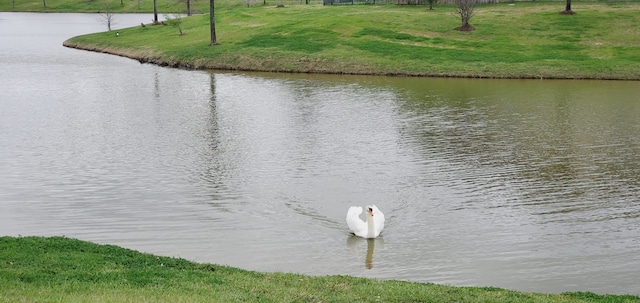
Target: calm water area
531	185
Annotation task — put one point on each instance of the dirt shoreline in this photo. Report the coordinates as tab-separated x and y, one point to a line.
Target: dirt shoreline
152	58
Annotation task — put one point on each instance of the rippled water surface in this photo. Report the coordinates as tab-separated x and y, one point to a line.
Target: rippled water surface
528	185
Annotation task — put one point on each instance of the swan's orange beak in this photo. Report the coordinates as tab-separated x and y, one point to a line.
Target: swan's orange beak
371	212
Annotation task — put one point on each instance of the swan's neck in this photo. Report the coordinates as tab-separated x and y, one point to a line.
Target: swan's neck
371	232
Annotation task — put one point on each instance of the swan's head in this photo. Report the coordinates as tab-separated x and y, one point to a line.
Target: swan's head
369	209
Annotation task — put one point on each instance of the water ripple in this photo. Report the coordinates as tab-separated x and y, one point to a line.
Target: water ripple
531	185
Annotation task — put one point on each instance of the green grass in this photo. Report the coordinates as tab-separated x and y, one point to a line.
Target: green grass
518	40
58	269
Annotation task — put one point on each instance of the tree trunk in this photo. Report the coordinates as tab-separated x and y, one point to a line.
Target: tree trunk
155	12
188	7
567	9
212	21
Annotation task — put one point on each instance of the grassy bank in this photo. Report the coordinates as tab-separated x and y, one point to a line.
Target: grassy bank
521	40
36	269
511	40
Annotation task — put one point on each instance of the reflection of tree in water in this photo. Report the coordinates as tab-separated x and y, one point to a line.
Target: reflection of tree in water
212	175
156	84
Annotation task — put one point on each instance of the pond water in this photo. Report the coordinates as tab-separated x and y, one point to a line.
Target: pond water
527	185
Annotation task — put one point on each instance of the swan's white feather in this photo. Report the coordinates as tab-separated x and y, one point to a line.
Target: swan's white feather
356	225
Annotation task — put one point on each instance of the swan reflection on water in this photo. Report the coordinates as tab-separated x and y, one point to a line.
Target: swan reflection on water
355	244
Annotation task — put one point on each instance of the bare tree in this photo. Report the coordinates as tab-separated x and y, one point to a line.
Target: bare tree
431	2
212	22
465	9
175	21
106	14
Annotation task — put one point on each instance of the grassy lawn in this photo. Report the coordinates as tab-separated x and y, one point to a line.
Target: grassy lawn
521	40
511	40
58	269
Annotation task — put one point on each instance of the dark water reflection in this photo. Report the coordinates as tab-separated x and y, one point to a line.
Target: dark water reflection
529	185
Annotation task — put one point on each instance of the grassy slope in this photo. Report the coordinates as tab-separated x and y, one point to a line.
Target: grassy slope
525	40
35	269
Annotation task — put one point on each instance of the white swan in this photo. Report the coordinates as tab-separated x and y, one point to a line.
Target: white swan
369	229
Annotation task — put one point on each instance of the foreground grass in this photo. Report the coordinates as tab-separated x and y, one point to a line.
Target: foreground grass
524	40
36	269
